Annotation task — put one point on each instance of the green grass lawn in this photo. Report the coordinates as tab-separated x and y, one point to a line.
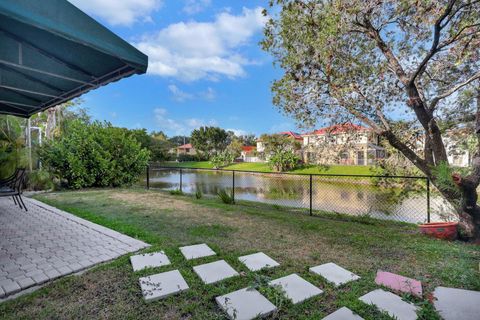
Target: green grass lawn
294	239
264	167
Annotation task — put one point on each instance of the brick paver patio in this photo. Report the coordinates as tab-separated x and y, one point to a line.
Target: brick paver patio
46	243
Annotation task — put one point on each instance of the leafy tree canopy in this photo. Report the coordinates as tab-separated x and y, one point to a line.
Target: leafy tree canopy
210	140
179	140
248	140
372	62
279	142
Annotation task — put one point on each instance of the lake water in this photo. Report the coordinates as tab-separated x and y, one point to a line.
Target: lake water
351	196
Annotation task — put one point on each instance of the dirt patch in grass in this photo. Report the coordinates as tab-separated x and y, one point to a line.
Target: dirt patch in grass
149	200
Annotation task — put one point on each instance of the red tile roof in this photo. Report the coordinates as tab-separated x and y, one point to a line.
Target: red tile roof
292	134
185	146
248	148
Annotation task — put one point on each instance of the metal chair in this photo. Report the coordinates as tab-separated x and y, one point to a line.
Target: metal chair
6	183
12	187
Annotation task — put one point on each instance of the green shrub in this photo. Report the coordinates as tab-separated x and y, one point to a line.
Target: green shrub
94	155
225	197
39	180
283	160
176	192
222	159
198	194
186	157
12	145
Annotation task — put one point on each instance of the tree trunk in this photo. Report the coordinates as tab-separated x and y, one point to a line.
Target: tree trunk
468	209
51	123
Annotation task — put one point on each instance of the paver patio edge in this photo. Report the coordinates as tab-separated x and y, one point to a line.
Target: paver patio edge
35	264
96	227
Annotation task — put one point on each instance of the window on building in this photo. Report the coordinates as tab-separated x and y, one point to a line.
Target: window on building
457	160
380	154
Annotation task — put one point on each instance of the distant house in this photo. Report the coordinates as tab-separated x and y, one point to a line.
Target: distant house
346	144
249	154
186	149
456	145
455	141
458	158
294	135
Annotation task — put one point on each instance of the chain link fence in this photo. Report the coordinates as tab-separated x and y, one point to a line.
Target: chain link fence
382	197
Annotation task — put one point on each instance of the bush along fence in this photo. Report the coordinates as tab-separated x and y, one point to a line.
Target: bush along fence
400	198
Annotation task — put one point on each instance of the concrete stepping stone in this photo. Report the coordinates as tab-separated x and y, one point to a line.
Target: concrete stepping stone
149	260
391	303
399	283
258	261
245	304
343	314
215	271
334	273
162	285
197	251
296	288
453	304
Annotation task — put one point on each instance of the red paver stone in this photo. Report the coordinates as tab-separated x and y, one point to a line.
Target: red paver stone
399	283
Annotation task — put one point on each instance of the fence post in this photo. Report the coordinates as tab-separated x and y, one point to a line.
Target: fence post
148	176
428	200
311	192
181	178
233	186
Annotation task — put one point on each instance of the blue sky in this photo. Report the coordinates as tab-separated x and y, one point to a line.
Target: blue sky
205	67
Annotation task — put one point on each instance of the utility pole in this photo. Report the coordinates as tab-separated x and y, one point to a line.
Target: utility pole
29	143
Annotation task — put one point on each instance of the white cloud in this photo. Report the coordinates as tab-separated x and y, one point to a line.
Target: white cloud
119	12
179	127
238	132
202	50
179	95
209	94
196	6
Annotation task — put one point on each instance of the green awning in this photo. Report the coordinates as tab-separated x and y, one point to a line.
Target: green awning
51	52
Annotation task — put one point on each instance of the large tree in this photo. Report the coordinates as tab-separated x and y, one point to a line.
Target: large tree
280	151
156	142
374	62
209	140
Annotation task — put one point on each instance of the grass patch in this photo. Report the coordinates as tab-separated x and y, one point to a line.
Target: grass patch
296	240
264	167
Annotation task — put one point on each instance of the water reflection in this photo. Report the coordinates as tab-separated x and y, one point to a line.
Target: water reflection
345	195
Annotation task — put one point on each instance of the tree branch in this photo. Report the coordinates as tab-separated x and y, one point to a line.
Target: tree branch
458	36
367	121
415	101
428	150
435	41
407	152
447	93
454	13
378	110
475	175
